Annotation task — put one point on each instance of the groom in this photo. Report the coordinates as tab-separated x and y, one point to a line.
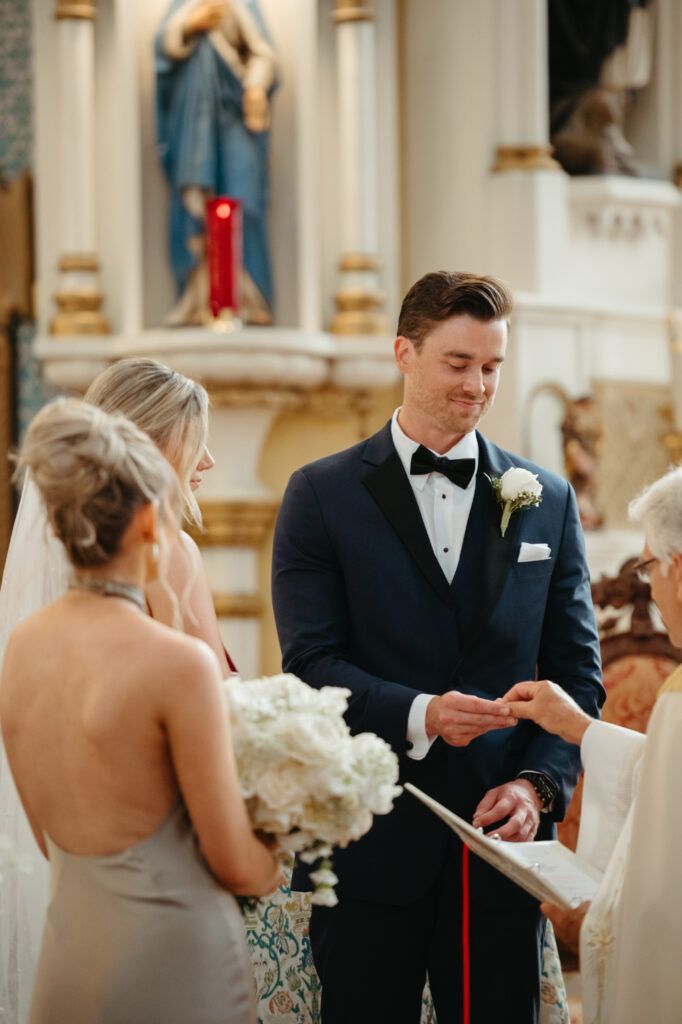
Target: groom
391	577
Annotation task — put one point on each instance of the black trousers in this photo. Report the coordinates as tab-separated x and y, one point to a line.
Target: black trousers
373	958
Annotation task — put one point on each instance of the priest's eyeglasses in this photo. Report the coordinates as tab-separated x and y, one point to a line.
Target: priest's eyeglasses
643	569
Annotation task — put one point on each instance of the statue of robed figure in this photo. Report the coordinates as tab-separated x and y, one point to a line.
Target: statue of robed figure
215	73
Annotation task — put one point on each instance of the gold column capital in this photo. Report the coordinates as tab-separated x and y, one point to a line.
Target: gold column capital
359	261
525	158
79	313
80	10
78	303
238	606
234	523
353	10
83	261
359	312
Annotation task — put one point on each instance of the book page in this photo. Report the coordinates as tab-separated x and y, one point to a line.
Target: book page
546	869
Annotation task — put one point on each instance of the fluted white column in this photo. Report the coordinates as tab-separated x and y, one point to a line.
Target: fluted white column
359	299
523	93
78	297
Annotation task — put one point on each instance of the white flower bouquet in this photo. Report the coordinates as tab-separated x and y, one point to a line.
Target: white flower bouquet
305	779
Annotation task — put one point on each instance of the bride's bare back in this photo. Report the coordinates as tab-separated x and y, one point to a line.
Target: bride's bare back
108	716
82	705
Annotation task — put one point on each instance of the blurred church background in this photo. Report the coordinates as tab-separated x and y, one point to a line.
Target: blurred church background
539	140
405	136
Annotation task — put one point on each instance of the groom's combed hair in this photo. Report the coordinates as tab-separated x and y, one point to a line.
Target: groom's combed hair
441	294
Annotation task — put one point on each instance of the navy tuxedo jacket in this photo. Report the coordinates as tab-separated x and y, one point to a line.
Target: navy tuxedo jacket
360	601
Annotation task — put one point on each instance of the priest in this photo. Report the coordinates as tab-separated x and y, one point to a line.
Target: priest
631	822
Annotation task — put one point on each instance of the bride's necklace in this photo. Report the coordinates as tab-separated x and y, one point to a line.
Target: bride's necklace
110	588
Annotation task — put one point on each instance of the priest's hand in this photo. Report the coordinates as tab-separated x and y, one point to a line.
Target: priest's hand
550	707
518	803
460	717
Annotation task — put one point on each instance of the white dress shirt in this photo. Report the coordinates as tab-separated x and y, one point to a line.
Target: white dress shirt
444	509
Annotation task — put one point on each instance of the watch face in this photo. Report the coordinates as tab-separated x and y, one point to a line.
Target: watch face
542	786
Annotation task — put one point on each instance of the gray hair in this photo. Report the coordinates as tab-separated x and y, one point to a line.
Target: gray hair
659	510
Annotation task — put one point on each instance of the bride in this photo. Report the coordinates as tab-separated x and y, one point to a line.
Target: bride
104	712
173	411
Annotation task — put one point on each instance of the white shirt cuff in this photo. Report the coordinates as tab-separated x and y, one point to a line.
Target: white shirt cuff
418	743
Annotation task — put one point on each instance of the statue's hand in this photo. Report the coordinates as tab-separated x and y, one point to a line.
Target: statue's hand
206	16
256	108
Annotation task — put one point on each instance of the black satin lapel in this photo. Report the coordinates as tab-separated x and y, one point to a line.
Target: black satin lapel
497	560
392	492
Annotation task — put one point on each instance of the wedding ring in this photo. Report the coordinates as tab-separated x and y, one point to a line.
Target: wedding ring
496	835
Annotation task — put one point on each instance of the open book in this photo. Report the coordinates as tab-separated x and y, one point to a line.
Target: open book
546	869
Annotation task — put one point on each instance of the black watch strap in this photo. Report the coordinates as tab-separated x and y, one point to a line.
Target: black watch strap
543	786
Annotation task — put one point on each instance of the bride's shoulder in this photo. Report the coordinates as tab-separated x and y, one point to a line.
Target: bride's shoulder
182	658
184	561
28	641
30	632
188	677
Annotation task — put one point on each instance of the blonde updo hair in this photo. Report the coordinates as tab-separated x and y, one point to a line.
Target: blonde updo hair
170	408
93	472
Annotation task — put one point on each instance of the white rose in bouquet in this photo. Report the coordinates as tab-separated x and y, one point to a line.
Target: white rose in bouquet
305	779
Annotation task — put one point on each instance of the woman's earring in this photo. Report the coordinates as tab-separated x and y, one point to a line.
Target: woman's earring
155	553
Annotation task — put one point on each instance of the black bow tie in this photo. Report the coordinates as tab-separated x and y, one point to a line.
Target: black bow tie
460	471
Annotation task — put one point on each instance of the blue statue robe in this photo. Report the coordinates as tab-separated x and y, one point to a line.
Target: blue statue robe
204	142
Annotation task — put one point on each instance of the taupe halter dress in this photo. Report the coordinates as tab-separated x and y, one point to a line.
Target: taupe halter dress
146	936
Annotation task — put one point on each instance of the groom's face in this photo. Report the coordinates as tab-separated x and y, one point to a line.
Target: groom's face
451	380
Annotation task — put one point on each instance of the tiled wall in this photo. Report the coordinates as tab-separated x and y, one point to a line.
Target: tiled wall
16	84
16	156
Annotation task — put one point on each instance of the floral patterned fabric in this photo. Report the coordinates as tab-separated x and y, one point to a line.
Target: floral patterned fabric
288	989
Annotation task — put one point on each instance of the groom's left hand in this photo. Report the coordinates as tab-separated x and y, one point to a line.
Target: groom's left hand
515	801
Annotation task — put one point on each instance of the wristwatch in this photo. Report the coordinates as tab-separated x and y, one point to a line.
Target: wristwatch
543	786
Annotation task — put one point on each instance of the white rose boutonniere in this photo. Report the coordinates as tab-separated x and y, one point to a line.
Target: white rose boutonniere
516	489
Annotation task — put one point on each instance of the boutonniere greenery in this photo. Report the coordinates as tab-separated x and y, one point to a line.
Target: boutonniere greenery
516	489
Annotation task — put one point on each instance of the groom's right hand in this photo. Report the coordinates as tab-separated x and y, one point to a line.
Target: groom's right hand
460	717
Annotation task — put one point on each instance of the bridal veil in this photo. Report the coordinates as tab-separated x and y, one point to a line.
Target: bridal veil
36	573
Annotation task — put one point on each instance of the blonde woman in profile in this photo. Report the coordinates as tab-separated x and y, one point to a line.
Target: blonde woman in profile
173	411
126	754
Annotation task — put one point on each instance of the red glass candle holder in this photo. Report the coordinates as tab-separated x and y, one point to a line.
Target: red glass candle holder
224	242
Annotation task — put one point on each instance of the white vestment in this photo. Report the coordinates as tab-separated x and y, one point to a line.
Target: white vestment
631	827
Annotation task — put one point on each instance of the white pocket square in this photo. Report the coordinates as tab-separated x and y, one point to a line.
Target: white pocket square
534	552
